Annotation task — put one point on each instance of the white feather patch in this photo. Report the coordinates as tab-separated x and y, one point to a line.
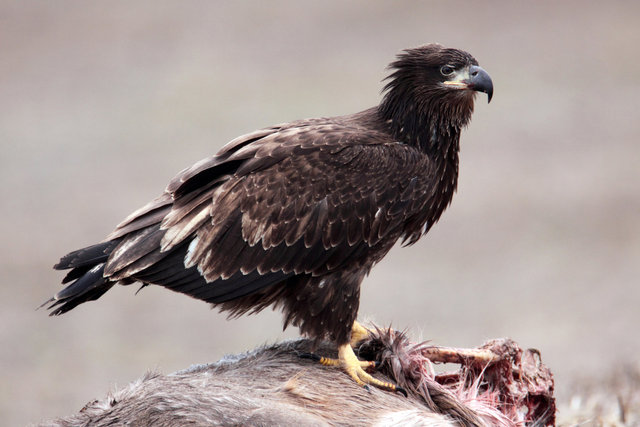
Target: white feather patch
179	232
188	259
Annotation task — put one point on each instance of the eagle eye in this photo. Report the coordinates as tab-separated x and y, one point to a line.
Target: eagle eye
446	70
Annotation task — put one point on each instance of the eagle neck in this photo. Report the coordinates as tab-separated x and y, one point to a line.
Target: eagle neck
435	132
430	128
430	123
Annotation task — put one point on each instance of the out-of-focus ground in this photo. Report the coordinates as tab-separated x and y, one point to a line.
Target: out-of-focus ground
102	103
611	401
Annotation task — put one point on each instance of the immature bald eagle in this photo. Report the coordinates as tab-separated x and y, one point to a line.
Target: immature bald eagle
294	216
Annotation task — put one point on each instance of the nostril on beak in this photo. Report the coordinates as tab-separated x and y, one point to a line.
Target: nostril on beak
475	73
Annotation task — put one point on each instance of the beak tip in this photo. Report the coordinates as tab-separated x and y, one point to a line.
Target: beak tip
481	81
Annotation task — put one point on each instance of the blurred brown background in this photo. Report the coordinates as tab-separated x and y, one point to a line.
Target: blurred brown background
102	103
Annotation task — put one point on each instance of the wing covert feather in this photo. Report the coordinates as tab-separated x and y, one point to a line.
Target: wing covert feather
309	213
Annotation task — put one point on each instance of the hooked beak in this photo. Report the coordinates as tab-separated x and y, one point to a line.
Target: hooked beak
474	78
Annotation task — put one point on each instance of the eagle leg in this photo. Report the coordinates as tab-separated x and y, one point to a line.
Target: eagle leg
358	334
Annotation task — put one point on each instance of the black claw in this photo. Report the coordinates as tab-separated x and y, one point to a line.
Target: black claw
402	391
311	356
366	387
377	364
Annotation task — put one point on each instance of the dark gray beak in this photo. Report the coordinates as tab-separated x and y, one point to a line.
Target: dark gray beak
480	81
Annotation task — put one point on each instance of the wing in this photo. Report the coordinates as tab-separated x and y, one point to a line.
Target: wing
305	199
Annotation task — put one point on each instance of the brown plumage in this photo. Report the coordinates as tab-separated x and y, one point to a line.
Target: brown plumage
295	215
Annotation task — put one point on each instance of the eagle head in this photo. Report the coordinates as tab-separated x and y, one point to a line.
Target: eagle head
432	88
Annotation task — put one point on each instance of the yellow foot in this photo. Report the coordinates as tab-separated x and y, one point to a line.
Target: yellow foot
353	367
358	334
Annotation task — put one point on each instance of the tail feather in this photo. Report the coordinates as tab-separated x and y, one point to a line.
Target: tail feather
89	287
87	277
89	256
90	280
65	305
76	273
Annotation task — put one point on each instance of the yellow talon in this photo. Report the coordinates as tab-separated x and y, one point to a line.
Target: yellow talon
327	361
353	367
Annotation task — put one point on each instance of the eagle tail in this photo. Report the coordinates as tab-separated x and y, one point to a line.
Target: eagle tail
86	275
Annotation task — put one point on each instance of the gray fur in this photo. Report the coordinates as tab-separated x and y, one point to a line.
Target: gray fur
268	386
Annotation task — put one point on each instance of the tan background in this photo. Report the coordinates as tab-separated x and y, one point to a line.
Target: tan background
102	103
